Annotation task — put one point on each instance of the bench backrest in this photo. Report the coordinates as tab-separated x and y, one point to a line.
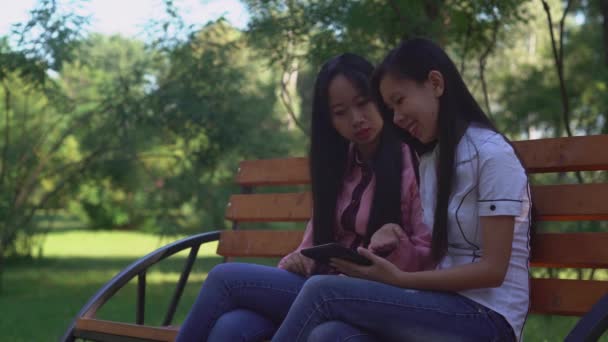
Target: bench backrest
553	202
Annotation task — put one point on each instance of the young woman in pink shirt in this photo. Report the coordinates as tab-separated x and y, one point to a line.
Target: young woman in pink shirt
365	194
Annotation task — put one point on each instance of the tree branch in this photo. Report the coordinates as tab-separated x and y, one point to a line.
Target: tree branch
139	158
561	34
604	10
287	100
289	69
21	166
7	130
482	63
484	86
558	56
465	48
31	180
69	176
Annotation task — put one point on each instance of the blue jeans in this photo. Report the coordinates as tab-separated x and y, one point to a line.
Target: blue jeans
387	313
241	302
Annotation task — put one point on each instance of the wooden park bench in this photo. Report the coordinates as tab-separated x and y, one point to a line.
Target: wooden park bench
556	202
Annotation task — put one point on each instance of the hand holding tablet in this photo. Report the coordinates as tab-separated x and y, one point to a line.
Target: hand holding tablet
322	254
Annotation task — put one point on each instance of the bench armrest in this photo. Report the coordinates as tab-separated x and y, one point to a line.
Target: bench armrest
591	326
138	268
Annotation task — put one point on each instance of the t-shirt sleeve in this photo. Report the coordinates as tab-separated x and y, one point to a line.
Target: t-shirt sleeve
502	179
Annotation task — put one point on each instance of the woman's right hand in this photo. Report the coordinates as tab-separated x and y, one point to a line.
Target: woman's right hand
297	263
386	239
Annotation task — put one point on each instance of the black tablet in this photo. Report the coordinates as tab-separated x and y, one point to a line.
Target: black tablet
322	254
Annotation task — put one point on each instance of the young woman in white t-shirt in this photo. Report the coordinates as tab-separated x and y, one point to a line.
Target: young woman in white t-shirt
475	196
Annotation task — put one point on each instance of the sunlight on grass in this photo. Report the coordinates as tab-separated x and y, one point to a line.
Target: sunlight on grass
46	293
110	244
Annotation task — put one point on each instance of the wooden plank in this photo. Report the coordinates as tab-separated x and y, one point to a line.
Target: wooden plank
273	172
571	202
565	297
167	334
583	153
287	207
568	202
576	250
258	243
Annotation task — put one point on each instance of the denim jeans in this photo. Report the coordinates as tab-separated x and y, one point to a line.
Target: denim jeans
241	302
387	313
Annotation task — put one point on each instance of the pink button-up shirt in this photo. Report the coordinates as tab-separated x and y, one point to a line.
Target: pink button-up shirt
413	252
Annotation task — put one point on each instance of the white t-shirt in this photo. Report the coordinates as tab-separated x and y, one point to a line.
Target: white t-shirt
489	181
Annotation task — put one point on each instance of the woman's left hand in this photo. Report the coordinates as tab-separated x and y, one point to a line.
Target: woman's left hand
381	270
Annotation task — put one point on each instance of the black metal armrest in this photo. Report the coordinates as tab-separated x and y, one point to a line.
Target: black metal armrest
139	268
591	326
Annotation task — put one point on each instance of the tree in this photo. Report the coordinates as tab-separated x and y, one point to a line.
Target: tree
299	35
53	136
215	104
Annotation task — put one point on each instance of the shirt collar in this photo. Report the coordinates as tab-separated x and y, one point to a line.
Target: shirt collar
354	158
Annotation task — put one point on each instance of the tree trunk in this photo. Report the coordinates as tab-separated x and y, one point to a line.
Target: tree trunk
1	269
604	10
7	131
558	55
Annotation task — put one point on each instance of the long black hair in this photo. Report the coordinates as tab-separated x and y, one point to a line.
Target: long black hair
414	59
329	153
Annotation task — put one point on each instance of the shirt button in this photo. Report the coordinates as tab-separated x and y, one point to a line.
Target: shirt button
492	207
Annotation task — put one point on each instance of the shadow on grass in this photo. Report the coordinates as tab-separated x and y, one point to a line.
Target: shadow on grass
76	264
41	297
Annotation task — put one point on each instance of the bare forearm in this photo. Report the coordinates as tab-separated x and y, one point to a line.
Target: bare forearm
458	278
490	271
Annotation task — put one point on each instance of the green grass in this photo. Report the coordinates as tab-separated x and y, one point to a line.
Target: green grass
40	297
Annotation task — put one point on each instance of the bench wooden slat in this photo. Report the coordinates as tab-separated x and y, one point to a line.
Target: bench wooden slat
258	243
576	250
585	153
286	207
167	334
567	202
565	297
287	171
571	202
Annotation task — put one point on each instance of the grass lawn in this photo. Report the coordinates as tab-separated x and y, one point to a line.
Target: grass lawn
40	297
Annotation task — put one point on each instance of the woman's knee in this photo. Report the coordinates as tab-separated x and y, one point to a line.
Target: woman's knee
220	270
227	271
324	287
323	283
336	331
243	326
